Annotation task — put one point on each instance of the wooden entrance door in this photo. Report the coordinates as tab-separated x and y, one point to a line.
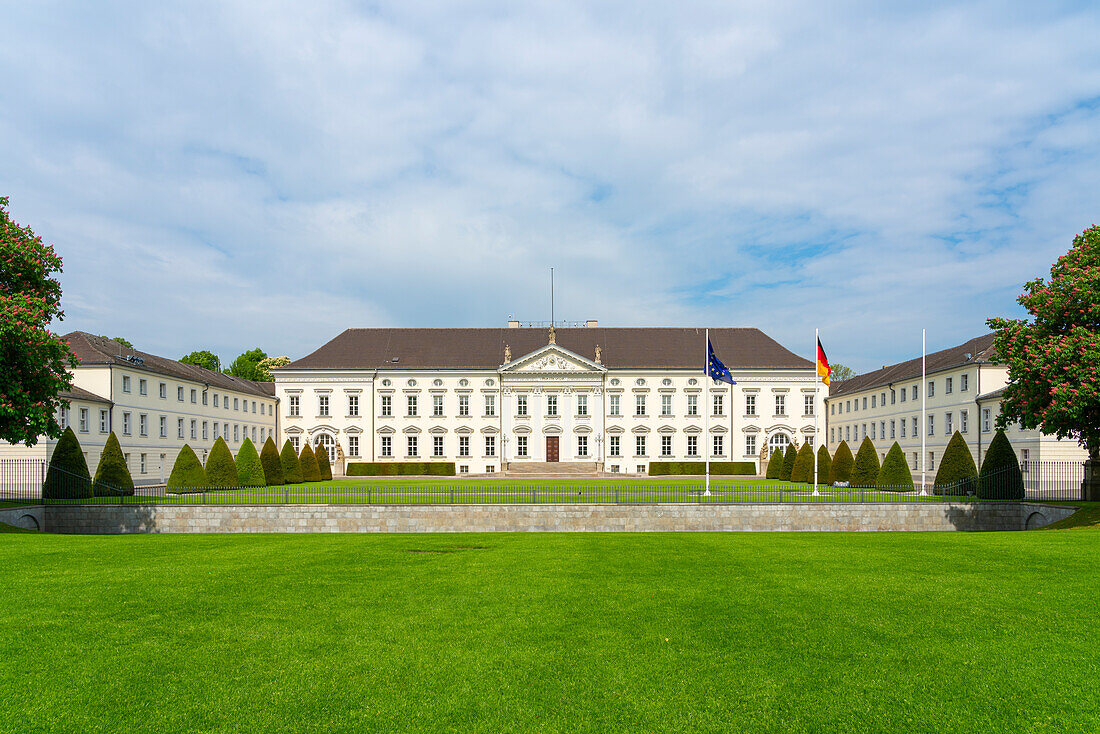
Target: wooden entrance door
551	448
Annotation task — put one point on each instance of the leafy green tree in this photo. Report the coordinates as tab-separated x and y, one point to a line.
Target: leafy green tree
273	467
842	464
67	477
308	462
803	469
323	466
203	358
34	362
292	468
250	471
789	457
1054	359
1000	477
840	372
264	367
187	471
119	339
824	464
865	472
245	365
894	475
775	466
957	474
221	471
112	476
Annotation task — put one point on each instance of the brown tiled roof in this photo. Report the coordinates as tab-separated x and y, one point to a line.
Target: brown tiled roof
622	348
92	349
980	349
267	387
995	395
79	393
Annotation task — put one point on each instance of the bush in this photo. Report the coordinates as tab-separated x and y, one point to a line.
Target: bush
957	474
269	460
220	469
292	468
323	466
865	472
725	468
250	472
187	472
894	476
400	468
789	458
775	466
67	477
803	470
842	464
112	476
308	462
1000	478
824	464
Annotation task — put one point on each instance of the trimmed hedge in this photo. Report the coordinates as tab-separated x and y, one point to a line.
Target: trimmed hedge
220	469
401	468
726	468
1000	478
269	460
842	464
775	466
250	472
112	476
824	464
67	477
957	474
292	469
803	470
187	472
789	457
324	468
308	461
865	471
894	476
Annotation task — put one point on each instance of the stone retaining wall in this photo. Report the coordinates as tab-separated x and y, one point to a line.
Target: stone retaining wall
547	518
30	518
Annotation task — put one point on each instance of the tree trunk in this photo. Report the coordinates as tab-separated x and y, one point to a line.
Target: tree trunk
1090	487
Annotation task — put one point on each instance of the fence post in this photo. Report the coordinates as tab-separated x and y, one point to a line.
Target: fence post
287	495
452	494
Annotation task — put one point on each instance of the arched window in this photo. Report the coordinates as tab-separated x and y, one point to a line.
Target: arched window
778	442
325	440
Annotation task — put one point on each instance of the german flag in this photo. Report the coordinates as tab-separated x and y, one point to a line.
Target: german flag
823	369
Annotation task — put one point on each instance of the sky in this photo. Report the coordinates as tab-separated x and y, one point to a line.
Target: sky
227	175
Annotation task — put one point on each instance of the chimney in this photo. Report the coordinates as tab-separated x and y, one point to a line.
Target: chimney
512	324
590	324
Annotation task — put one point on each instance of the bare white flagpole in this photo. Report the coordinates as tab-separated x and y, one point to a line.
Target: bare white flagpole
706	410
923	412
817	386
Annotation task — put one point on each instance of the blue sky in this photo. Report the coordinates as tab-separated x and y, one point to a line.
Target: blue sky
226	175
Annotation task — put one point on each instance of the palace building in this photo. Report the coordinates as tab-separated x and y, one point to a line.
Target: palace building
555	399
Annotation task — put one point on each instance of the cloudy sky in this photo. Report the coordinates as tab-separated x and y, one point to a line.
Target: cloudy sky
236	174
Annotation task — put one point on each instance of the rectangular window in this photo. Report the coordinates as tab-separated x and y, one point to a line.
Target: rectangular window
847	433
437	446
254	434
521	405
217	402
832	435
411	449
179	428
204	397
353	406
194	429
639	445
263	407
639	405
931	388
83	420
986	422
931	425
893	396
872	431
615	448
693	405
666	405
293	442
947	424
865	430
693	446
125	424
750	445
179	394
1025	454
387	446
464	405
931	460
903	428
750	405
253	406
143	424
225	401
807	405
613	406
205	432
882	400
872	402
63	416
552	405
163	427
964	420
353	445
666	445
463	445
882	429
125	383
142	463
163	391
410	406
294	403
916	460
582	408
490	407
322	405
718	404
437	406
521	446
914	426
948	383
865	402
718	445
236	433
832	409
237	403
582	445
143	387
904	395
387	405
914	392
964	383
225	431
194	395
780	405
490	445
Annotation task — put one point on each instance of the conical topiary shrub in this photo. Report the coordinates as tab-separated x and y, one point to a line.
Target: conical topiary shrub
789	457
803	470
187	472
842	464
957	474
68	477
310	472
221	472
112	476
324	468
273	468
894	476
824	464
1000	478
775	466
865	471
250	472
292	468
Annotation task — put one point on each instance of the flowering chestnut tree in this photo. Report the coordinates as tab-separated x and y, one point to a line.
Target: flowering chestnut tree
1054	358
34	362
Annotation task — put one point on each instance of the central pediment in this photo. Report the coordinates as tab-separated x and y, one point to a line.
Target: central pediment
551	358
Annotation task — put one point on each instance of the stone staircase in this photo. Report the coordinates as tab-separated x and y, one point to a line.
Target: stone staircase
552	469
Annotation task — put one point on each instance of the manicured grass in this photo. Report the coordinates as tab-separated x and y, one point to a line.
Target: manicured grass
545	632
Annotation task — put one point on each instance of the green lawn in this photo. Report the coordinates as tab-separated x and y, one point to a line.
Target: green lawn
545	632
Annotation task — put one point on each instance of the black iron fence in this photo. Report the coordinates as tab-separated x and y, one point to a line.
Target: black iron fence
21	480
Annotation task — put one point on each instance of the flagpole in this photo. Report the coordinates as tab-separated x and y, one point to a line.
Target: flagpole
706	411
923	412
817	386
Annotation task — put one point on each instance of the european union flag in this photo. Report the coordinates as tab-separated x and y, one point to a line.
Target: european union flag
715	369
